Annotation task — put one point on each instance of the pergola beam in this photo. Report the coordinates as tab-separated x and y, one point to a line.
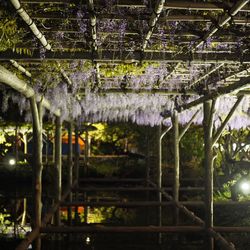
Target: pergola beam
27	19
206	75
153	20
131	18
218	92
130	56
222	21
20	68
170	4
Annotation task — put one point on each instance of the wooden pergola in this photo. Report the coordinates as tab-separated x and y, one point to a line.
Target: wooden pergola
201	46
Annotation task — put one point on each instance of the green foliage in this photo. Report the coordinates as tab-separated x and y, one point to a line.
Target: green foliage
109	214
98	215
116	138
11	35
125	69
105	169
232	162
5	223
192	149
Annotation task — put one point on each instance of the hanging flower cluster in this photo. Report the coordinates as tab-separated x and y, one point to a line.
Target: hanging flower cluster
141	109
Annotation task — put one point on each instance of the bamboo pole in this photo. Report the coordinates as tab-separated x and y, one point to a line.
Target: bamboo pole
229	116
111	180
70	166
20	68
223	20
38	167
86	150
159	182
175	121
159	175
23	221
132	204
153	20
219	92
135	189
200	204
182	133
124	229
24	15
58	165
208	150
76	168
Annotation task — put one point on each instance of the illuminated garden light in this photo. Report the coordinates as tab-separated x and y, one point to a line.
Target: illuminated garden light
245	187
87	240
12	162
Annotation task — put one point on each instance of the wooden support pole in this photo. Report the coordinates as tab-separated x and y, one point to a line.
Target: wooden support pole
208	160
47	147
135	204
76	168
131	204
70	168
58	165
161	135
135	189
142	229
159	182
111	180
36	110
175	121
86	158
223	125
182	133
124	229
147	176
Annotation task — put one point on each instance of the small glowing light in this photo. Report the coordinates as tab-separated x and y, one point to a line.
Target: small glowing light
245	187
12	162
87	240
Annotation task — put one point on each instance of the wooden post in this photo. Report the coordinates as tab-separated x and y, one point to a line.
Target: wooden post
23	221
58	165
159	181
147	174
70	168
25	143
176	187
47	147
36	110
86	151
76	168
208	160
